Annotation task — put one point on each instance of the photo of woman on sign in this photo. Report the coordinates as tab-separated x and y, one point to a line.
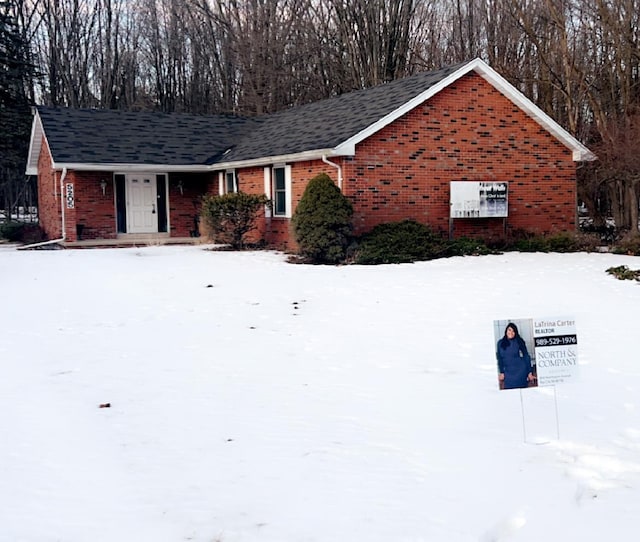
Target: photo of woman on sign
514	362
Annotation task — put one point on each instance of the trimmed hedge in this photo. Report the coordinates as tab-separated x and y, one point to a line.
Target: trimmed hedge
400	242
409	241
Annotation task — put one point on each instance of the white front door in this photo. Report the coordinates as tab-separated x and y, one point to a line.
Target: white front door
142	203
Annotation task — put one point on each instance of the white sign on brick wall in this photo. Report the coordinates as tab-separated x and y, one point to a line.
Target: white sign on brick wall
71	203
483	199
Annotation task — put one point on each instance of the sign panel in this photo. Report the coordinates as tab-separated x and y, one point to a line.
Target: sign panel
69	196
536	351
556	349
471	199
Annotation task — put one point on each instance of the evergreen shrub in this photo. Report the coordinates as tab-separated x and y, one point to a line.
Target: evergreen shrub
628	244
465	246
622	272
11	230
21	232
524	241
400	242
230	217
322	222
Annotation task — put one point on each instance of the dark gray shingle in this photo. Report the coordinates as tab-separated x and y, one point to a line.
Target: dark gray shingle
111	137
327	123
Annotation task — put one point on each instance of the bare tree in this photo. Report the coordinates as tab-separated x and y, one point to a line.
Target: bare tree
614	100
579	61
374	39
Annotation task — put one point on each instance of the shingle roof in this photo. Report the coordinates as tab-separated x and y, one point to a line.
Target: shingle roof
117	137
101	137
78	136
327	123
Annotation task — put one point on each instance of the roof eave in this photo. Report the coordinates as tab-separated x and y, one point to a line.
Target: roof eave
584	155
123	166
315	154
403	109
580	152
35	144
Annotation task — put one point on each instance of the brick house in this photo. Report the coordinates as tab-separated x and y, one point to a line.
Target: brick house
397	150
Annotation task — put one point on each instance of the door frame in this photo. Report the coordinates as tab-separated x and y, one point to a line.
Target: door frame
122	199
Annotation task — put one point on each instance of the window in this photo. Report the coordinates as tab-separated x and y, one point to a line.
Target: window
228	182
231	181
278	188
279	192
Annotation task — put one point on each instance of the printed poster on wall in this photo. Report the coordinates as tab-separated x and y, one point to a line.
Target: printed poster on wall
533	352
470	199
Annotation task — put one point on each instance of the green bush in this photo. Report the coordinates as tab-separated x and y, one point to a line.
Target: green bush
400	242
11	230
21	232
524	241
322	222
231	216
622	272
629	244
465	246
572	242
410	241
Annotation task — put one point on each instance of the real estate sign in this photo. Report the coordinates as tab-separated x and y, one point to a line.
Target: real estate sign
483	199
552	345
556	350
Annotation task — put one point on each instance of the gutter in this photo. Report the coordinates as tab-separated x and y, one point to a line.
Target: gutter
337	166
62	202
217	166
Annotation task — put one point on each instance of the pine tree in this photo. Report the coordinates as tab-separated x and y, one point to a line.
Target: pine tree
16	73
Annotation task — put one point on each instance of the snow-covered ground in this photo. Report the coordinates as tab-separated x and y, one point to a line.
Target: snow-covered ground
255	400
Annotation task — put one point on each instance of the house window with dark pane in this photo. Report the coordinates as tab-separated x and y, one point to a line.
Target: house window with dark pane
279	192
230	182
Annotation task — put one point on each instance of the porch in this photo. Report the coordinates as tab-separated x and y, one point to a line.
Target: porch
134	240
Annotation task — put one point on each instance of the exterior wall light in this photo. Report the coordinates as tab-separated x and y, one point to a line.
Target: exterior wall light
103	185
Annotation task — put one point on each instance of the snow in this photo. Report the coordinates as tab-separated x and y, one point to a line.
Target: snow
256	400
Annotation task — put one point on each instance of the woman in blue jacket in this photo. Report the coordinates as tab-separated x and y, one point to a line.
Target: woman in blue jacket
514	362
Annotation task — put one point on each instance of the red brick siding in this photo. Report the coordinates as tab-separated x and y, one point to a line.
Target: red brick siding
49	210
276	231
185	205
95	212
469	131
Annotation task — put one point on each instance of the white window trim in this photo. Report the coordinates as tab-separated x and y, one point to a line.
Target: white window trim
222	181
269	190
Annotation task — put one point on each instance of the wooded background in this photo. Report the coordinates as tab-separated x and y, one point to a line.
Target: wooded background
578	60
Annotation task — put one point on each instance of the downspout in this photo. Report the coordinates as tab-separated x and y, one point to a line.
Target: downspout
62	204
337	166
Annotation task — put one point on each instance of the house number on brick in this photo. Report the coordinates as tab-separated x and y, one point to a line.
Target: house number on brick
69	196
